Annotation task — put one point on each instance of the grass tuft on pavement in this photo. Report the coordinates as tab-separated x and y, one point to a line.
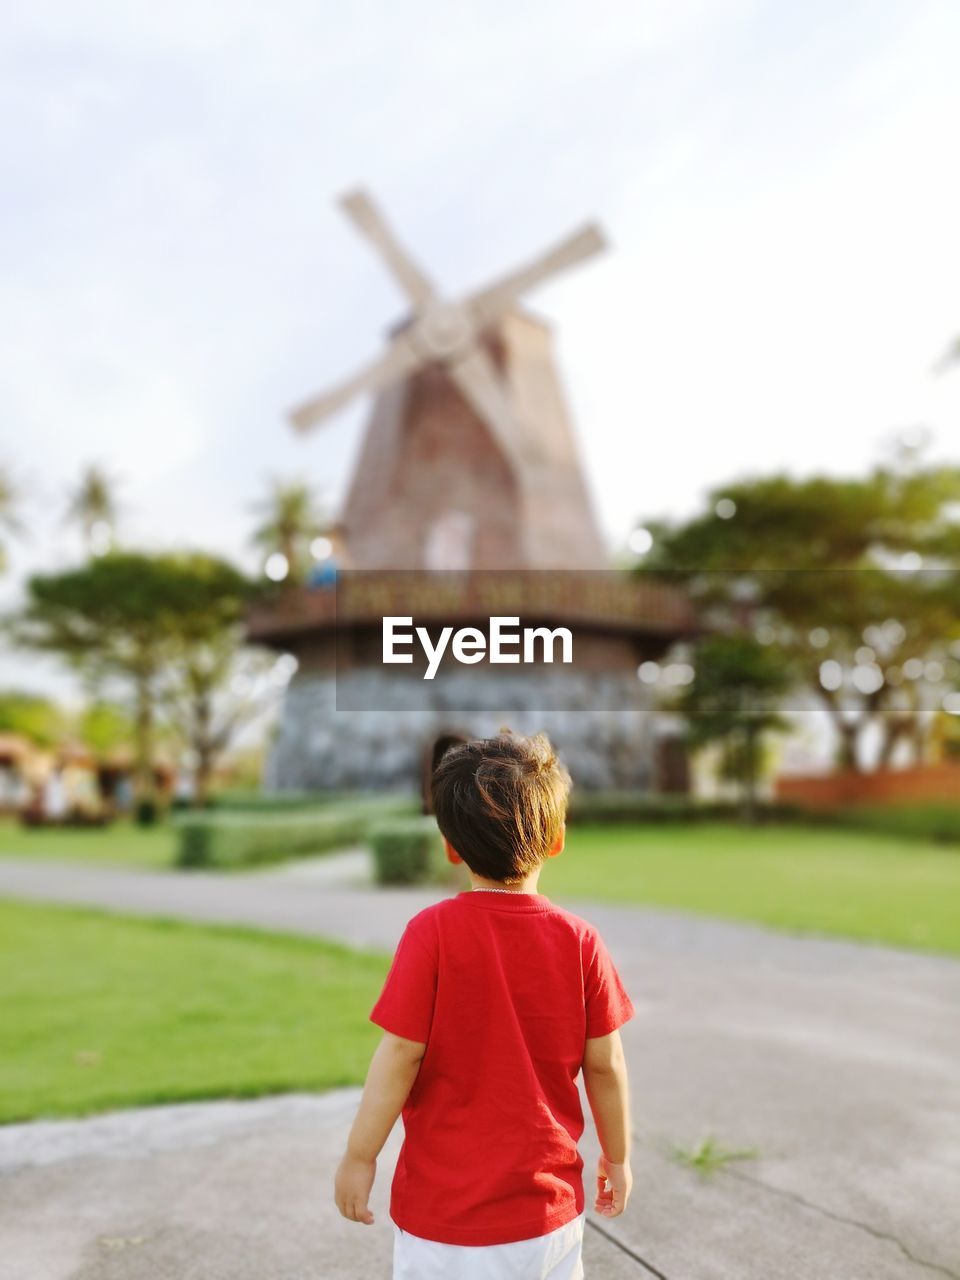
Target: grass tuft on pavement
708	1157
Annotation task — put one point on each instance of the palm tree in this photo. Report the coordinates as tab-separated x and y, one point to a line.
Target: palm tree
290	518
9	503
93	506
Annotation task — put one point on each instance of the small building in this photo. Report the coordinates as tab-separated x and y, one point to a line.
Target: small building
19	765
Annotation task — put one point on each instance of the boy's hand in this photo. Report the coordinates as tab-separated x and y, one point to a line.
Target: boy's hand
352	1188
613	1187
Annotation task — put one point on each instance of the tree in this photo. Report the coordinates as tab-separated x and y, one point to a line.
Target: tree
93	507
733	700
215	683
290	518
125	617
32	716
104	727
855	581
217	689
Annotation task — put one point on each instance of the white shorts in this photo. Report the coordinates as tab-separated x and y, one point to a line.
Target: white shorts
555	1256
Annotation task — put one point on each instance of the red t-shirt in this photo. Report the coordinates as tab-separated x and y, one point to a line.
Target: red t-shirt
504	989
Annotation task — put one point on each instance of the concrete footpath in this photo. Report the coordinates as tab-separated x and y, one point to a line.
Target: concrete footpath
837	1063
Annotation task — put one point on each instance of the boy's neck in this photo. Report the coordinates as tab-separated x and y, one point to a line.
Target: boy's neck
527	885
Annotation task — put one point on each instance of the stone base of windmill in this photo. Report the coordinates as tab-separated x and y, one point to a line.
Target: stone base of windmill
601	725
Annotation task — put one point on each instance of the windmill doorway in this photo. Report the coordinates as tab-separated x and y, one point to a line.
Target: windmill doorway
431	758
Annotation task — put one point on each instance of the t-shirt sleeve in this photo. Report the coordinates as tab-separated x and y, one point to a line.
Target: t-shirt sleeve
607	1003
405	1006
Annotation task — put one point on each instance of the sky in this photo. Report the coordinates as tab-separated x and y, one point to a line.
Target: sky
778	183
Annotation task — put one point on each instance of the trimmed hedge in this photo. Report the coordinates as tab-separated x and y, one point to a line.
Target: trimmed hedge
932	822
407	847
224	839
409	851
279	801
633	806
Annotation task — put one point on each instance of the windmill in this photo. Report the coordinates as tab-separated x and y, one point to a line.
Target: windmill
468	462
469	459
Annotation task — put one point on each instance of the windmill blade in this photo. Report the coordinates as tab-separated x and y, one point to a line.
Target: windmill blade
483	389
367	218
399	359
490	303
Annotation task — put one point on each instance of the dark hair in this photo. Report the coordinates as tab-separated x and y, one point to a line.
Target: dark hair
501	802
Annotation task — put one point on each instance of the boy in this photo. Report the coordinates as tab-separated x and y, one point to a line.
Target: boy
495	1001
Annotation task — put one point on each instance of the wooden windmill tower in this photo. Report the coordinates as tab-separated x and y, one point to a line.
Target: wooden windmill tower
468	463
469	460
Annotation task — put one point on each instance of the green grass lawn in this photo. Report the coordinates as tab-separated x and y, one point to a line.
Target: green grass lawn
103	1011
901	890
123	842
864	885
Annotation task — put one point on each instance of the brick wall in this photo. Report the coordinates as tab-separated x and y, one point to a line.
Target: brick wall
924	784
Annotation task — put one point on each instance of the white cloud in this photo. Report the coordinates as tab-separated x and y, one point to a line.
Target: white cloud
780	194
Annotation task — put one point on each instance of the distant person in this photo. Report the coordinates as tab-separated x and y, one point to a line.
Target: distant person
184	789
123	794
331	555
495	1001
55	797
324	574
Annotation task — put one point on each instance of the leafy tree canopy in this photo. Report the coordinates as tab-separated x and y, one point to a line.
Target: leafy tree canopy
778	522
116	610
865	572
32	716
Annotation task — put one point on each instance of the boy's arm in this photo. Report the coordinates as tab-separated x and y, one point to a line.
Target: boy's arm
393	1069
605	1078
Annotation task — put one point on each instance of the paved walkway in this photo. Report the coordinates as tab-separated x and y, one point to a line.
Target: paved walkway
837	1062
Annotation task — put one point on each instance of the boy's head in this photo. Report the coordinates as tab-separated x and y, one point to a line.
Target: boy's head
501	803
